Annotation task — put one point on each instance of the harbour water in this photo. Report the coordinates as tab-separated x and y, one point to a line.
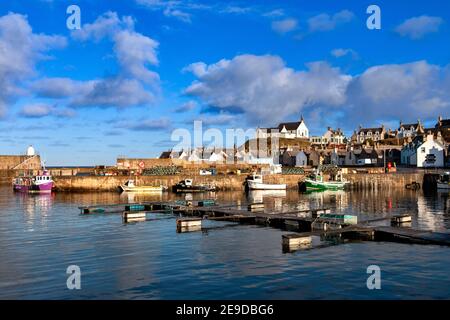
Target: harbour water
41	235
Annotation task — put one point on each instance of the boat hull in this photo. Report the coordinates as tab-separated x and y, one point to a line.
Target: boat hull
443	185
34	188
189	189
253	185
142	189
318	185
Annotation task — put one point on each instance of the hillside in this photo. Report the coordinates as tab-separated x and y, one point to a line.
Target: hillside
283	143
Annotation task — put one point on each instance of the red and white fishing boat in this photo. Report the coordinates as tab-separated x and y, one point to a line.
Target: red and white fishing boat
34	184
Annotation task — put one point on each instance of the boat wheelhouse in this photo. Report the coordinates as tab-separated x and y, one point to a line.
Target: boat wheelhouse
38	183
255	182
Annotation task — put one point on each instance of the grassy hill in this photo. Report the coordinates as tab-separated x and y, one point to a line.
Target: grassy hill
283	143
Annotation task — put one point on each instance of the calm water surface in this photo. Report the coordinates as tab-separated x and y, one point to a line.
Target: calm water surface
40	235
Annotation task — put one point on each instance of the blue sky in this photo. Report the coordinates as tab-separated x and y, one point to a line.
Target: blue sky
138	69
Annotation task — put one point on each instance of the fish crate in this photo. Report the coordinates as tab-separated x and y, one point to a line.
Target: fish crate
255	207
339	218
206	203
135	207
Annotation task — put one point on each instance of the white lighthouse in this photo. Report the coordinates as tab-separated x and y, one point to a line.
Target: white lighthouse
30	151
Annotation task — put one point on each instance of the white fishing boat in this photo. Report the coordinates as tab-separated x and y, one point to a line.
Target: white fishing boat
444	181
129	186
255	182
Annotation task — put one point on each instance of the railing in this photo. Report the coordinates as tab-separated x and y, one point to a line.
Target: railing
25	161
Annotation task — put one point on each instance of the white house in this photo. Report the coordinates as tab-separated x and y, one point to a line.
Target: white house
331	137
423	152
406	130
218	157
288	130
194	156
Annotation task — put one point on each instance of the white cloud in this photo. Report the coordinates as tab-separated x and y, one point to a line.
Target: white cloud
36	110
20	51
264	88
114	92
396	90
284	26
134	51
341	52
175	9
326	22
417	27
187	106
39	110
146	124
57	88
274	13
265	91
217	119
105	25
134	85
237	10
176	13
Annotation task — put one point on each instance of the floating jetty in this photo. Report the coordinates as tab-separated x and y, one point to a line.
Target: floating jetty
306	224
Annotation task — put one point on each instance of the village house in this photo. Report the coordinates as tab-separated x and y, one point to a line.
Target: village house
443	126
410	129
316	157
329	138
351	156
368	134
364	156
301	159
337	157
424	151
293	158
287	130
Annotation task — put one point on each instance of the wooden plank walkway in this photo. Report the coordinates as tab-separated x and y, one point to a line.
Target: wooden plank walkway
411	235
300	221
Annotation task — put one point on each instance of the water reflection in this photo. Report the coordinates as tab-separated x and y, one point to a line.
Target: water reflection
40	235
258	195
36	207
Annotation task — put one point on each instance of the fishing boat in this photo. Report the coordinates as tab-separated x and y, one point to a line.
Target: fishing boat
187	185
129	186
316	182
443	182
255	182
34	184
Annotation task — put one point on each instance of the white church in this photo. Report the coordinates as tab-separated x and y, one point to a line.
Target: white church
288	130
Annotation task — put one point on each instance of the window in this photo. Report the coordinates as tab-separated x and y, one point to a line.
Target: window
422	149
